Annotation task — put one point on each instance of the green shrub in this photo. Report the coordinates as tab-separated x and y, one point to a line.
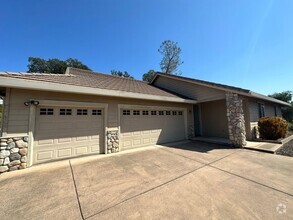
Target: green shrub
272	128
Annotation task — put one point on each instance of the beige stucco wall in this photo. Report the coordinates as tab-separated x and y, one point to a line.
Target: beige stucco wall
214	119
18	117
254	114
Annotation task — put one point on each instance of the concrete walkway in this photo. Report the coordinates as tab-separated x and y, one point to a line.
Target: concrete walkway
251	145
181	181
263	146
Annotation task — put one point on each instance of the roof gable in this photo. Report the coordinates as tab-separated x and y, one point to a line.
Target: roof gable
219	87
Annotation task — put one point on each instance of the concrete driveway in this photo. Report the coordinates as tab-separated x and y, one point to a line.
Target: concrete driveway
189	180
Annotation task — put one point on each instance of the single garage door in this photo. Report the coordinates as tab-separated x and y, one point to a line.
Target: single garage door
142	127
63	132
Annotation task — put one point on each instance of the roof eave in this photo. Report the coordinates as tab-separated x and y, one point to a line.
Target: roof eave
55	87
201	84
248	94
270	99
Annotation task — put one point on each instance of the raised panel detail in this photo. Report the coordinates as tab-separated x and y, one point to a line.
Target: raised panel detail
45	155
81	150
64	152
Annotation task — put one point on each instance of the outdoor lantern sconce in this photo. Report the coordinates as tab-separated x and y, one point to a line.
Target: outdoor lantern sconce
32	102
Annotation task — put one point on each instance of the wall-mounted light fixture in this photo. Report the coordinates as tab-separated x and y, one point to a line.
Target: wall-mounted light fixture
31	102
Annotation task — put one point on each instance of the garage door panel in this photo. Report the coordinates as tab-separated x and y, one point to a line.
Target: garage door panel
143	130
63	136
81	150
64	140
64	152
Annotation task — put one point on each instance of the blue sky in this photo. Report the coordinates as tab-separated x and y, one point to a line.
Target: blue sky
245	43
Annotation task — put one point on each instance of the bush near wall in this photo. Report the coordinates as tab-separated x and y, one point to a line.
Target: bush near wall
272	128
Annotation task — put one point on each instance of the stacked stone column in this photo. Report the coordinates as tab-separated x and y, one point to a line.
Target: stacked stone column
236	123
112	141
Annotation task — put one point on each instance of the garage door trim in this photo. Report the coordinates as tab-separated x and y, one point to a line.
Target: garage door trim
148	107
32	119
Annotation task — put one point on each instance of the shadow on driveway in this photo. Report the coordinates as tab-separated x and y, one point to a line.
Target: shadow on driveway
198	146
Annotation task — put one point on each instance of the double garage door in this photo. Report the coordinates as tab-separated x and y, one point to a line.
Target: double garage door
143	127
64	132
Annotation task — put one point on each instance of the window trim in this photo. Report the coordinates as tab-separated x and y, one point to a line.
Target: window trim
276	110
261	110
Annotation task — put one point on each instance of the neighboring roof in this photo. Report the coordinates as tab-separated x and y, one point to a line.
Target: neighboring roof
84	81
234	89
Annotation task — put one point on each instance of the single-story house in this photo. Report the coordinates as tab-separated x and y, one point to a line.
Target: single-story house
47	117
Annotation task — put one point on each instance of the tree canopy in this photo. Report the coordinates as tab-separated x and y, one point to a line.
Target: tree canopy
39	65
171	57
148	77
124	74
285	96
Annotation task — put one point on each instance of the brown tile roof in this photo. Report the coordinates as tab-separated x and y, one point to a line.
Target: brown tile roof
85	78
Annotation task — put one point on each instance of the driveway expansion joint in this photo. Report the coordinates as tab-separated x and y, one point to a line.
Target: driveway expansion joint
163	184
247	179
239	176
147	191
76	192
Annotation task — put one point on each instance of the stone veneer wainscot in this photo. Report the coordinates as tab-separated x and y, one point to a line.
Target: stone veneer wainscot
13	153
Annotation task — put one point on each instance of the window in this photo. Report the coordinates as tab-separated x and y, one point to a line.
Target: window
64	111
276	110
46	111
180	113
168	113
81	111
144	112
261	110
126	112
136	112
174	113
161	112
153	112
96	112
